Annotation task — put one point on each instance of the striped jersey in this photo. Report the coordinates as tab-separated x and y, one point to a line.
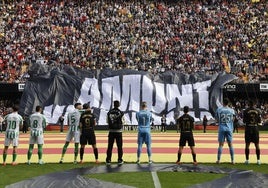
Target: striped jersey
37	123
74	120
13	122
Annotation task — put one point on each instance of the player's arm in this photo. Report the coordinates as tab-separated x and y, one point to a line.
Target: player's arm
217	116
123	119
21	123
178	124
44	122
260	121
94	122
193	124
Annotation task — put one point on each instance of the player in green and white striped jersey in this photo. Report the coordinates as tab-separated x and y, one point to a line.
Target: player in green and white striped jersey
37	124
73	132
14	123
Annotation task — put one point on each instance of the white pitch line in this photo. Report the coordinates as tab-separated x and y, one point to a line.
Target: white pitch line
156	180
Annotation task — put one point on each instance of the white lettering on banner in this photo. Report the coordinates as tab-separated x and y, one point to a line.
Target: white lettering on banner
131	90
147	91
201	89
130	93
110	91
90	92
52	115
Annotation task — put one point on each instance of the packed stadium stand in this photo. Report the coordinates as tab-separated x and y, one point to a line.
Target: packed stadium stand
155	36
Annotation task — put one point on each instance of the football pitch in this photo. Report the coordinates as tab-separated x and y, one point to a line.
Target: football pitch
164	148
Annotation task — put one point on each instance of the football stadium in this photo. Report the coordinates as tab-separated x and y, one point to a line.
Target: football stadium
138	93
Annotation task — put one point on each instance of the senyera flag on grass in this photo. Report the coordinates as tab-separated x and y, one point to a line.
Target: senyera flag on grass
165	93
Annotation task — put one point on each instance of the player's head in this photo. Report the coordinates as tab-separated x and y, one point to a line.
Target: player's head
144	105
186	109
78	105
250	103
15	107
86	106
116	104
225	102
38	108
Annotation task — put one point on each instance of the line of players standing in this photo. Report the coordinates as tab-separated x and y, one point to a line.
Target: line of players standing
81	124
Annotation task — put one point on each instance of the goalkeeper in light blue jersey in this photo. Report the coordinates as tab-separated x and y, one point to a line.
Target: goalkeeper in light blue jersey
37	124
225	117
144	118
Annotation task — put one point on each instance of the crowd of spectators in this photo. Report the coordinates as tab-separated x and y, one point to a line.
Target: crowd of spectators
182	35
240	105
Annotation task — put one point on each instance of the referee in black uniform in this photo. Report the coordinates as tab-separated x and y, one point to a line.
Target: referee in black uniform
87	124
251	118
186	126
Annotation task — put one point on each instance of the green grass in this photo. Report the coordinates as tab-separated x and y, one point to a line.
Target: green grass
135	179
185	179
12	174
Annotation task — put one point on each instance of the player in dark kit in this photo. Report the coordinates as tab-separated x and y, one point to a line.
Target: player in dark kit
87	124
115	120
251	118
186	126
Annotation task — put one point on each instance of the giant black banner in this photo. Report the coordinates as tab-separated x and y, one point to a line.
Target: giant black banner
166	93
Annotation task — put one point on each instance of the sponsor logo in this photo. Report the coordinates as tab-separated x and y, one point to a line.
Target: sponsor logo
230	87
264	87
21	87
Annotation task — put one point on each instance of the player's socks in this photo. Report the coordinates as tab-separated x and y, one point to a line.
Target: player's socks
14	157
247	153
139	151
231	149
40	151
219	154
96	153
179	157
149	150
194	156
82	153
29	154
4	157
64	149
76	145
258	153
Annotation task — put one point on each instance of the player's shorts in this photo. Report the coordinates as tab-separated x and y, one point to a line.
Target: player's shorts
89	139
252	135
187	137
144	137
14	142
225	134
37	139
73	135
